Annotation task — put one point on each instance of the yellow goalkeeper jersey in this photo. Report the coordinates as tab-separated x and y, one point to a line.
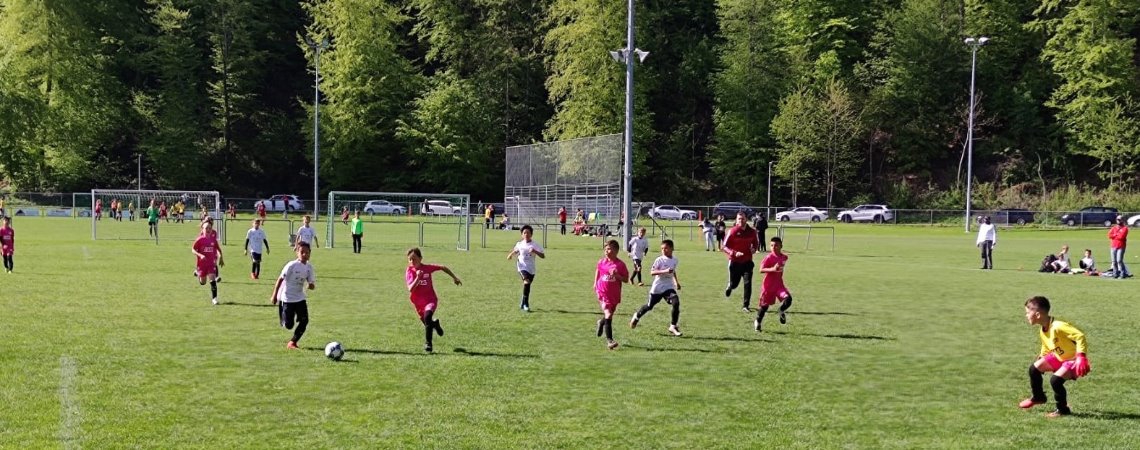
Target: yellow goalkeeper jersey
1062	339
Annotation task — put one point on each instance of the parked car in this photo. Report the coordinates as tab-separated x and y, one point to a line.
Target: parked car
1091	215
729	210
284	202
1012	216
867	213
439	208
1134	221
383	207
673	213
802	213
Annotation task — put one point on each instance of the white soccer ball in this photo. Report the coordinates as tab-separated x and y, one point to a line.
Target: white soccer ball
334	351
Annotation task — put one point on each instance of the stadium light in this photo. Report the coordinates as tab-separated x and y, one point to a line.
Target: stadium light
317	48
768	210
975	44
623	56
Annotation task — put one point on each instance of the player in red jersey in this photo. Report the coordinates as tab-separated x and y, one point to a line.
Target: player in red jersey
7	243
772	289
611	272
261	210
162	211
209	254
422	292
740	243
98	209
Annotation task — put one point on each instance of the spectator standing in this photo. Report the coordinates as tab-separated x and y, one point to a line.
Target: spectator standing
987	239
1118	241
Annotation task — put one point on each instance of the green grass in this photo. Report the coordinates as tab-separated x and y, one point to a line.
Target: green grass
896	340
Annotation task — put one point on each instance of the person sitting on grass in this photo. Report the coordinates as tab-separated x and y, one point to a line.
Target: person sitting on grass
1061	265
505	222
1086	265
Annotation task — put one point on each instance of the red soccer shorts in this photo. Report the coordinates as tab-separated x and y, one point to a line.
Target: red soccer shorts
422	307
768	297
1056	364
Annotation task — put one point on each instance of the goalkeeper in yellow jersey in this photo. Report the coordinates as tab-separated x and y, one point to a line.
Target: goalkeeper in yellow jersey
1062	352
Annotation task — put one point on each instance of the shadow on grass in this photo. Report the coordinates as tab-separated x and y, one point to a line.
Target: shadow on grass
563	311
249	305
1107	415
822	313
348	278
839	336
672	349
723	338
467	352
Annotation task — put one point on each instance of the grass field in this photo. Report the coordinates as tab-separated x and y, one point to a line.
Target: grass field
896	340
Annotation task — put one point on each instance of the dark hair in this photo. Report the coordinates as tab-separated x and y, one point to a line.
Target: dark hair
415	251
301	245
1038	303
986	220
668	242
524	227
612	244
777	240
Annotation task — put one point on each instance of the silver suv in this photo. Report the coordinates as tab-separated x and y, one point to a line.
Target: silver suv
867	213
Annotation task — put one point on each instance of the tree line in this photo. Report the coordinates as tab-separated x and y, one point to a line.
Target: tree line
845	100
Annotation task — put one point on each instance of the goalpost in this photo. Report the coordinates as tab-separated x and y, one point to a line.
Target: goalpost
402	219
184	227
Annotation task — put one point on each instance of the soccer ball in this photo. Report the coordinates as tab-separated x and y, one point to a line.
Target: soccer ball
334	351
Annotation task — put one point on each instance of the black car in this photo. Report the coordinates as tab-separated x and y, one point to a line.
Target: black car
1012	216
1092	215
729	210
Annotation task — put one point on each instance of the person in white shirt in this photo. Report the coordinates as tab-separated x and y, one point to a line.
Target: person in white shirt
289	293
1061	265
638	247
306	234
710	234
255	241
526	249
1087	265
987	239
665	286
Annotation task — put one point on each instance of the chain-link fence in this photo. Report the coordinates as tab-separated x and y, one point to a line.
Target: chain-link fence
581	175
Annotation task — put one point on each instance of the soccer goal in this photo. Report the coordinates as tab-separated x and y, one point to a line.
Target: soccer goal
401	219
181	222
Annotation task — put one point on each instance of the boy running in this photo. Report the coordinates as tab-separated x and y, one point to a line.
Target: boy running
638	247
526	250
209	254
422	292
7	243
254	241
290	292
665	286
306	234
608	278
773	289
1062	352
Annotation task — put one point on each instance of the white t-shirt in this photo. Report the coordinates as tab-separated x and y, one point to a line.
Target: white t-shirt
638	246
663	282
256	238
526	255
297	275
986	232
306	234
1063	261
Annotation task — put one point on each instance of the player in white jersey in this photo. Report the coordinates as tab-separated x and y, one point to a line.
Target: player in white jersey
526	249
638	247
665	287
307	234
290	293
255	240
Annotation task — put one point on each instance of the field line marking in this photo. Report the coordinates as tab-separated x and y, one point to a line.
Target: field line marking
70	415
86	254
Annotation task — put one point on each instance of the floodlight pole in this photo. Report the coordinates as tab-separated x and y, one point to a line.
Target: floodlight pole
768	209
317	48
974	44
627	55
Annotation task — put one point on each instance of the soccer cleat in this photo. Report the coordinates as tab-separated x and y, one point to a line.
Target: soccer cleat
640	283
214	301
526	308
291	345
612	345
727	292
783	317
253	276
601	325
438	328
427	348
745	309
756	325
1029	403
1058	413
676	331
218	279
633	321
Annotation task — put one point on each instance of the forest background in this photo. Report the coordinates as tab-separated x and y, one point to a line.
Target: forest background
851	100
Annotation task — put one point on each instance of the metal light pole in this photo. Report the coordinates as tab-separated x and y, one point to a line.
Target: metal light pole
317	48
975	44
140	173
624	56
768	209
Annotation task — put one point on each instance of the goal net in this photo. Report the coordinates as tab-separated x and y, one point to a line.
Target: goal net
576	174
401	219
121	214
